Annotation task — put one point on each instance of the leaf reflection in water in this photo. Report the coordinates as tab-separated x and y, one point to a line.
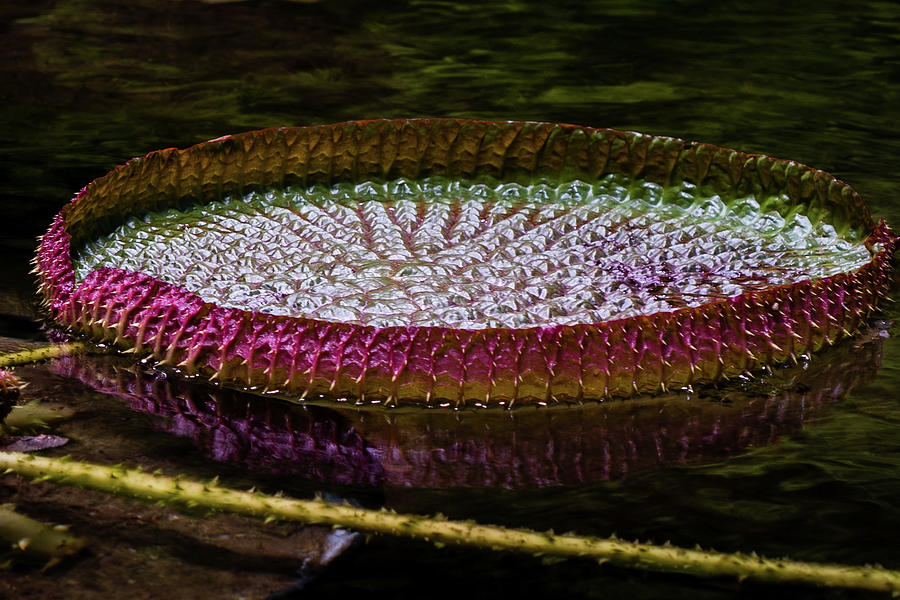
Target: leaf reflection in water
523	448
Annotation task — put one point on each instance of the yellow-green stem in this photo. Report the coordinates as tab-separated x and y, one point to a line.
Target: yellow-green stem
35	539
30	355
155	487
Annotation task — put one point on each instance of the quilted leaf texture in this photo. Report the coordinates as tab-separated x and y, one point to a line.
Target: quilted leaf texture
450	262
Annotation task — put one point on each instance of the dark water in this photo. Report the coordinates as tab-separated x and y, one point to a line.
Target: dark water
87	84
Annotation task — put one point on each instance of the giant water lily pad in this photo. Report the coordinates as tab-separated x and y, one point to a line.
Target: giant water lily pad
451	262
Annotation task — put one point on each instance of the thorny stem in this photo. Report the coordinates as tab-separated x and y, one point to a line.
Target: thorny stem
668	558
30	355
36	539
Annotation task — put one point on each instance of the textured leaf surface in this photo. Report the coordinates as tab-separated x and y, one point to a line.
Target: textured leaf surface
441	252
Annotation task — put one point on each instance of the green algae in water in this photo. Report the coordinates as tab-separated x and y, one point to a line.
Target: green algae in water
475	254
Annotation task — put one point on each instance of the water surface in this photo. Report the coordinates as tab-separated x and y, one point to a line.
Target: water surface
88	84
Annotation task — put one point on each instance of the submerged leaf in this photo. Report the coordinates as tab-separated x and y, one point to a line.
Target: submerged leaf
33	443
